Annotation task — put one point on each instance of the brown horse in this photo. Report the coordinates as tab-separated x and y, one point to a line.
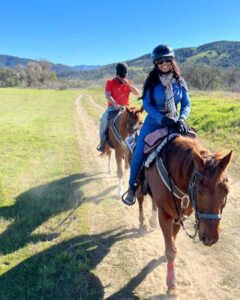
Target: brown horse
201	176
126	123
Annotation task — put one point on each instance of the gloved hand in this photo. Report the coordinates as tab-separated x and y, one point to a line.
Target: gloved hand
182	127
169	122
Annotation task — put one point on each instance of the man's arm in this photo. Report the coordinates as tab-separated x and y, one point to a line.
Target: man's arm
111	100
133	88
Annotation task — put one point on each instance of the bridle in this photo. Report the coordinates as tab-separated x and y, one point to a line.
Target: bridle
193	200
132	125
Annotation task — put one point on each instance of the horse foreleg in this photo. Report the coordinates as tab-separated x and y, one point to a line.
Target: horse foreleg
153	219
118	157
109	163
126	159
176	228
141	218
166	224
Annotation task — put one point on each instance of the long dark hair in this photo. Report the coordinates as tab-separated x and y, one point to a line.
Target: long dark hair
153	79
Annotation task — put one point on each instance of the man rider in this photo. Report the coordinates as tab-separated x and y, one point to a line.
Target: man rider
117	93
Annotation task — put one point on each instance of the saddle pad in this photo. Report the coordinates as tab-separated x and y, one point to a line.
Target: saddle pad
153	139
154	136
131	141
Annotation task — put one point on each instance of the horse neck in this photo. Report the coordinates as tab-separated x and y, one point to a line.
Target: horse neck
124	132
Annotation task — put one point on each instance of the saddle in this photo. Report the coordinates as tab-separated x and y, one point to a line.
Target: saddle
153	139
154	143
112	114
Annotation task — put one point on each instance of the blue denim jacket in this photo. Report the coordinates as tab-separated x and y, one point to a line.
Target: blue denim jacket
156	110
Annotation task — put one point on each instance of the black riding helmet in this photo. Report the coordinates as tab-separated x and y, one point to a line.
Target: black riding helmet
162	51
122	70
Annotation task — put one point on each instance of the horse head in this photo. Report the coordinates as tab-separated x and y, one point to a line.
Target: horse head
134	118
210	193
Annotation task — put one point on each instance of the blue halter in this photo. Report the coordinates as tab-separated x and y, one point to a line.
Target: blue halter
192	196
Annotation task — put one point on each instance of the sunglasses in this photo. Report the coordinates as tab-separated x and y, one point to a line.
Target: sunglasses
161	61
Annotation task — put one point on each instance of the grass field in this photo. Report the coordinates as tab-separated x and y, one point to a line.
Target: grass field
44	241
40	177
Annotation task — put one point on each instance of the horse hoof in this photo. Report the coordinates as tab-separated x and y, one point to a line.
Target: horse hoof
143	229
172	292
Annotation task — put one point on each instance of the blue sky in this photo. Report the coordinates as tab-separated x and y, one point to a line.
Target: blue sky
77	32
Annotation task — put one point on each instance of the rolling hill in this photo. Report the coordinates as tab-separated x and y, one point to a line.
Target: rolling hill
221	54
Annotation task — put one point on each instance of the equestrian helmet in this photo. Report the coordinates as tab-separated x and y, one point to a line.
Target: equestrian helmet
122	69
162	51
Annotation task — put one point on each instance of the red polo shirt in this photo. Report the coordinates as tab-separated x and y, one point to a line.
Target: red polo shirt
119	91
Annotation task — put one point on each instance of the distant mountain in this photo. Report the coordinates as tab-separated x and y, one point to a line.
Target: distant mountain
60	69
12	61
221	54
85	67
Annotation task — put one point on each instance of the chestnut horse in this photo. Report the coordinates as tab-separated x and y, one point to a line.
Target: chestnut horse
130	120
201	176
127	122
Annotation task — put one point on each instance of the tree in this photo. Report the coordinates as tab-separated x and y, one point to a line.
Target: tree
8	78
201	76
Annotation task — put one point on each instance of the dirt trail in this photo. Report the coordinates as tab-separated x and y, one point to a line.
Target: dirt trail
133	266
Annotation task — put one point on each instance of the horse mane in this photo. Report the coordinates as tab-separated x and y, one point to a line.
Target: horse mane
180	161
130	110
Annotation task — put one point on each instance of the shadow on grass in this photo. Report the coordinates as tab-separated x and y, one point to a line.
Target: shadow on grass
37	205
64	270
127	292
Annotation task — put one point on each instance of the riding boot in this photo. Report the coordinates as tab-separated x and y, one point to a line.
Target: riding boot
130	198
101	146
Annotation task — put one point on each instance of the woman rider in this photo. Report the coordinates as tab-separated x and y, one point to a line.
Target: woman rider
163	90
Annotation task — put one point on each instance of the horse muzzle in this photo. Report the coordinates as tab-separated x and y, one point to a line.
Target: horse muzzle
206	240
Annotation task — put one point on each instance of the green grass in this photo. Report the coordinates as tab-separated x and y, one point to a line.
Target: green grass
210	54
44	243
216	118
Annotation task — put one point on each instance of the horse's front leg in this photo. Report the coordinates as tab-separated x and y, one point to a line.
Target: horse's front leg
118	156
153	219
140	199
109	162
127	159
166	224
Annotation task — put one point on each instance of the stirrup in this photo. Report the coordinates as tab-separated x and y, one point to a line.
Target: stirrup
101	146
124	198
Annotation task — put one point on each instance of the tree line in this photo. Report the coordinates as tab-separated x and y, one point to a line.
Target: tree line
34	74
40	75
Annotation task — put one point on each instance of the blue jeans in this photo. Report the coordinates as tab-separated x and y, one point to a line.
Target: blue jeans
104	122
138	154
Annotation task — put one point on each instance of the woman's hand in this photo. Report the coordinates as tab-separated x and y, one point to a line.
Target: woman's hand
182	127
169	122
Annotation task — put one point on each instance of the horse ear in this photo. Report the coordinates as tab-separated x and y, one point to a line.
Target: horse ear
223	163
127	108
198	160
141	109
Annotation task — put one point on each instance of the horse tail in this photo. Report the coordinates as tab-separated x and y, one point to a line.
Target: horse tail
106	152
